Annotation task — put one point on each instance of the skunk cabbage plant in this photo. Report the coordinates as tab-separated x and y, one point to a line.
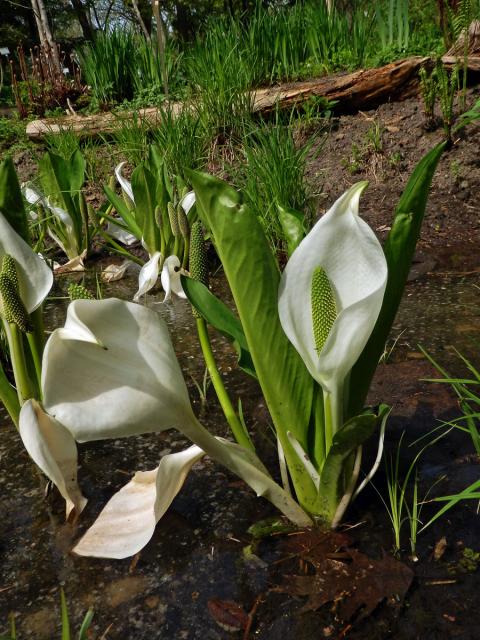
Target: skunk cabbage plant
155	212
60	206
316	331
311	336
111	372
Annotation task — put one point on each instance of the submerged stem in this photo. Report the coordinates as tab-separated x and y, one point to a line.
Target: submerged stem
240	434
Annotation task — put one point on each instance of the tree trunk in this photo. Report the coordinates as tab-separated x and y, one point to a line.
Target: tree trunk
45	34
161	40
139	18
83	17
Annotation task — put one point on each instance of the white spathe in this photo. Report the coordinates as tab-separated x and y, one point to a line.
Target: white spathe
128	520
32	195
120	234
347	249
53	449
124	183
188	201
170	278
35	278
67	243
112	372
148	275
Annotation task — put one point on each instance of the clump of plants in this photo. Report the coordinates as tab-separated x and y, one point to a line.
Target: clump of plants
310	334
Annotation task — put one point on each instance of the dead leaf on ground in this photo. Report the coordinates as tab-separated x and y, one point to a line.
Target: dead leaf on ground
355	583
229	615
440	549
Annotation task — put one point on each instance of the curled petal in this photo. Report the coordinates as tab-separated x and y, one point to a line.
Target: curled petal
353	260
148	275
124	183
35	277
170	278
128	520
188	201
53	449
112	372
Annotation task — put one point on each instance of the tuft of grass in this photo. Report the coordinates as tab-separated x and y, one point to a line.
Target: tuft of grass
183	139
274	174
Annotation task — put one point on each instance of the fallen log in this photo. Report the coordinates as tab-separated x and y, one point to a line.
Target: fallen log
352	91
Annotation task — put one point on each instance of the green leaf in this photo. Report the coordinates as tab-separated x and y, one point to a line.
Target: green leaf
124	212
292	223
61	181
332	480
144	187
253	276
399	251
221	318
467	494
65	620
11	200
87	621
76	171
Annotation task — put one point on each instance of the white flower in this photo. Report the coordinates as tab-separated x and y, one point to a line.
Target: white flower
112	372
343	259
170	278
148	275
124	183
35	277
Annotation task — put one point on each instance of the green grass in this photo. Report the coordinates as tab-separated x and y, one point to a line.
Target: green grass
183	139
273	174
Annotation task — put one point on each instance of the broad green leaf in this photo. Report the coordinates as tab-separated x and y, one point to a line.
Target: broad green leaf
11	200
76	170
155	160
332	480
253	276
164	190
144	187
292	223
124	212
54	176
61	181
399	251
221	318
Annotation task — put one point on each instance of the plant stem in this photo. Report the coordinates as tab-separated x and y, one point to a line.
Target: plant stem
345	501
176	247
9	397
241	436
37	358
17	355
186	251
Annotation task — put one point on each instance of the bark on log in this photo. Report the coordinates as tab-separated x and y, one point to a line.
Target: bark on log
358	90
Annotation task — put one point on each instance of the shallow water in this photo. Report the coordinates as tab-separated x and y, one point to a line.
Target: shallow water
196	551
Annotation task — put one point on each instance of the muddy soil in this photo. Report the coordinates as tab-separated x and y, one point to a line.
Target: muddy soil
383	146
197	552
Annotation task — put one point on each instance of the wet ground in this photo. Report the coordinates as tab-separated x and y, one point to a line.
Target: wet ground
197	552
